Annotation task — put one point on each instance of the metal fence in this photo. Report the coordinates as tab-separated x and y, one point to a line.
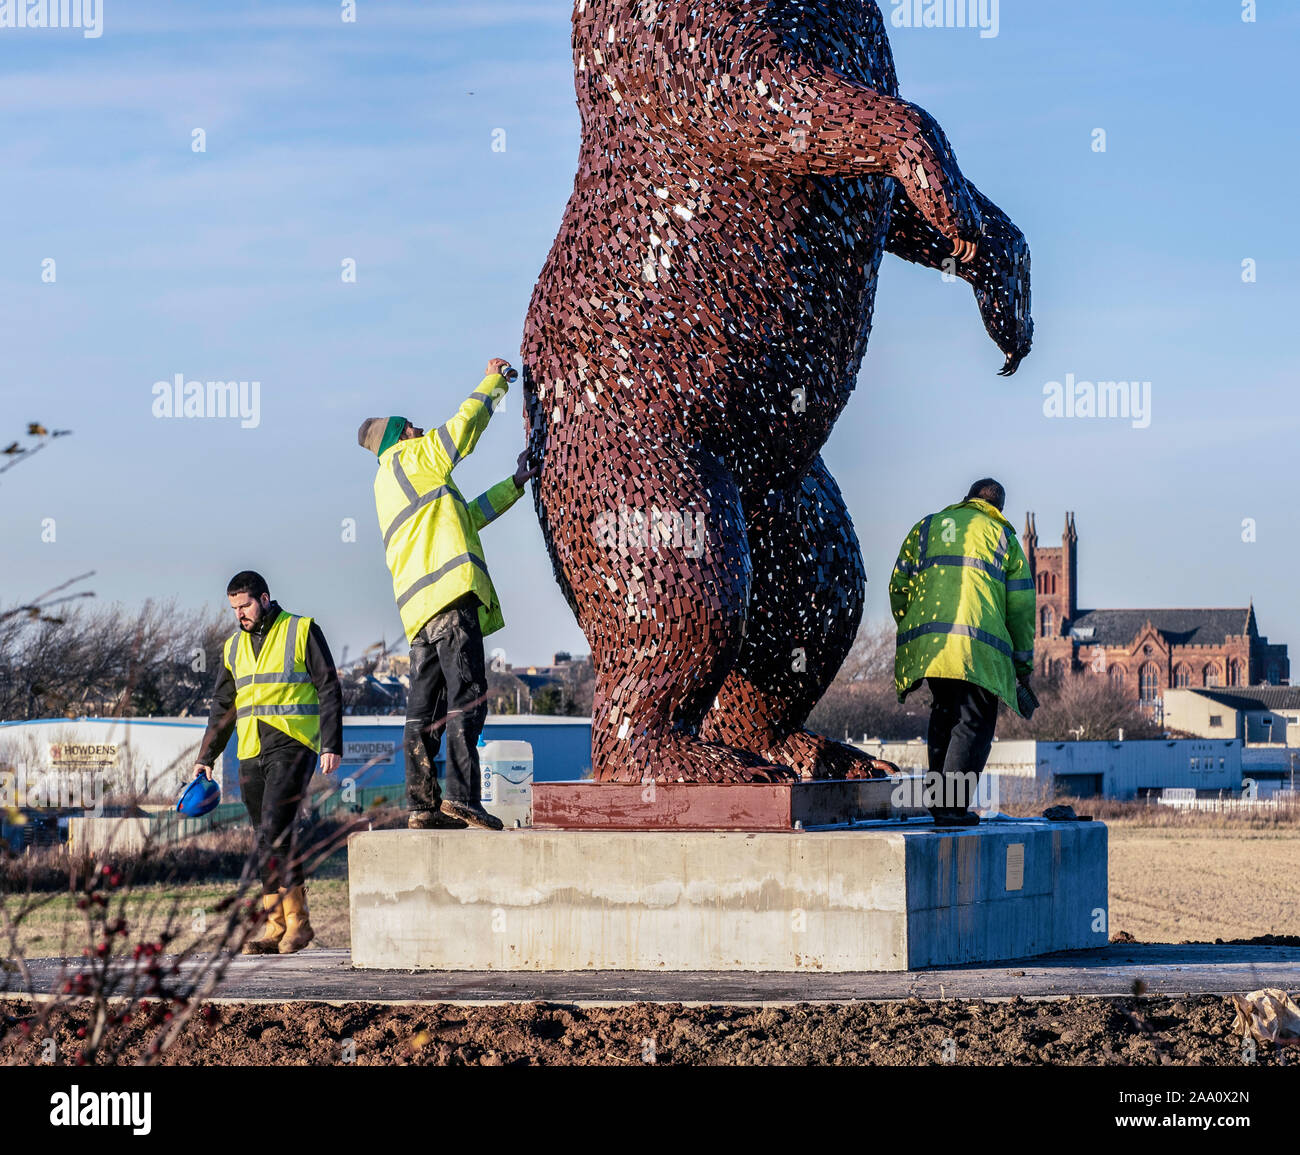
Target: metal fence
1288	804
171	827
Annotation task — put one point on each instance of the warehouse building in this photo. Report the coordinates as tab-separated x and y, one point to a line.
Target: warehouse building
53	769
1265	718
1029	770
1258	715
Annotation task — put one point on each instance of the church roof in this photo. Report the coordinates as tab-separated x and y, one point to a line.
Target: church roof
1177	627
1255	697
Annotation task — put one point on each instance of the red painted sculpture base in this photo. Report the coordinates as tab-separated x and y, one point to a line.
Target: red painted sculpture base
710	805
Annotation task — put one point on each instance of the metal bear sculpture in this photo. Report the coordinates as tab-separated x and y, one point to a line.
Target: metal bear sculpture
696	331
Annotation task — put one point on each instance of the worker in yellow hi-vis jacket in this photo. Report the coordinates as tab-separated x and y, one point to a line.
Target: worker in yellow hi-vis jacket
963	596
444	593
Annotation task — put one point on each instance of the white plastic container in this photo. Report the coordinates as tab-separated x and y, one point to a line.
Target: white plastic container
506	768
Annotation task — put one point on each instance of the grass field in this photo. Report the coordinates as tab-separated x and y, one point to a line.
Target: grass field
55	926
1170	884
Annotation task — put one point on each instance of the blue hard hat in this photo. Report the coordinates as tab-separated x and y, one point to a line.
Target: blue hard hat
199	797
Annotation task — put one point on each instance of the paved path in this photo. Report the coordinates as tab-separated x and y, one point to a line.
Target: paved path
328	976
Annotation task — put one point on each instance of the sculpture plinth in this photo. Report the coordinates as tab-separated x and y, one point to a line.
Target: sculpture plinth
767	806
895	896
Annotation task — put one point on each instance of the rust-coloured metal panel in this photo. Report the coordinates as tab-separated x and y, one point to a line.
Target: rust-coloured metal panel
766	806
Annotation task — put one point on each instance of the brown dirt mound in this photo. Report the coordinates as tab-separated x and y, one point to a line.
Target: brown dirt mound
1075	1031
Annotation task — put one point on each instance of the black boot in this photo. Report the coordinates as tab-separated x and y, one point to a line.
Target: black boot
472	813
955	818
433	820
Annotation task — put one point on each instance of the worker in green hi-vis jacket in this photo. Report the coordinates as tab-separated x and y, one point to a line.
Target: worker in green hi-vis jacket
963	597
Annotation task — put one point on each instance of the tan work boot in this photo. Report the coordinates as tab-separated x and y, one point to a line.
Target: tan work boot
298	931
269	943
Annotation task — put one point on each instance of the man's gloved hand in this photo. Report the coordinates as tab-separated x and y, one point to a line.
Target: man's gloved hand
1026	699
523	472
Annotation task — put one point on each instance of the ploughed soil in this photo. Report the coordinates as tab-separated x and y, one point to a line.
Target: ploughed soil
1133	1031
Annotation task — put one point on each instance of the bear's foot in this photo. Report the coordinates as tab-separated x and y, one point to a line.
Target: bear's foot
681	757
816	756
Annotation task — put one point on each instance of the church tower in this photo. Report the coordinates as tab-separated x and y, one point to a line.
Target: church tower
1056	577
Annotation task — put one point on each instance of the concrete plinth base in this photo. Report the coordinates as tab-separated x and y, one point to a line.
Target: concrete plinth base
881	898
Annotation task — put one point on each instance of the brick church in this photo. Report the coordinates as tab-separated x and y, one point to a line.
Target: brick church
1145	651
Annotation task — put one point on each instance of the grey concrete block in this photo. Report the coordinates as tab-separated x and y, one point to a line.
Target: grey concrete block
875	899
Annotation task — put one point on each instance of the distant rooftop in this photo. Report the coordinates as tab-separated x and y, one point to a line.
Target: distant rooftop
491	720
200	722
1254	697
1177	627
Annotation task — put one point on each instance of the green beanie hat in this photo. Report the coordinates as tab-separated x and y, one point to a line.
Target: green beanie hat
379	435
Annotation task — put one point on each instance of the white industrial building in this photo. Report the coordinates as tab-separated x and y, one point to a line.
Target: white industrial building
1258	715
1032	770
127	759
1265	718
54	769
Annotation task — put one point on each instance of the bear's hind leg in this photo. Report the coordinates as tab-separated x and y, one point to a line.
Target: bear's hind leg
804	609
652	544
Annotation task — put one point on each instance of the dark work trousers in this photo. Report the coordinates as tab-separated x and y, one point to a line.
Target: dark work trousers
448	692
962	722
274	785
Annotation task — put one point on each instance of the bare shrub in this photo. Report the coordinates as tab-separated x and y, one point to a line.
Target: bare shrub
109	661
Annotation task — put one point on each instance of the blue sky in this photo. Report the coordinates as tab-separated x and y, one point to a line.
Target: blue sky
373	141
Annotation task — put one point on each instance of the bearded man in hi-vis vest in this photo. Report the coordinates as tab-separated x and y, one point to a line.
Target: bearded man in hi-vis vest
279	690
444	593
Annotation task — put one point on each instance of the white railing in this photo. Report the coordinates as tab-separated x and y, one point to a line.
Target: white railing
1234	805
